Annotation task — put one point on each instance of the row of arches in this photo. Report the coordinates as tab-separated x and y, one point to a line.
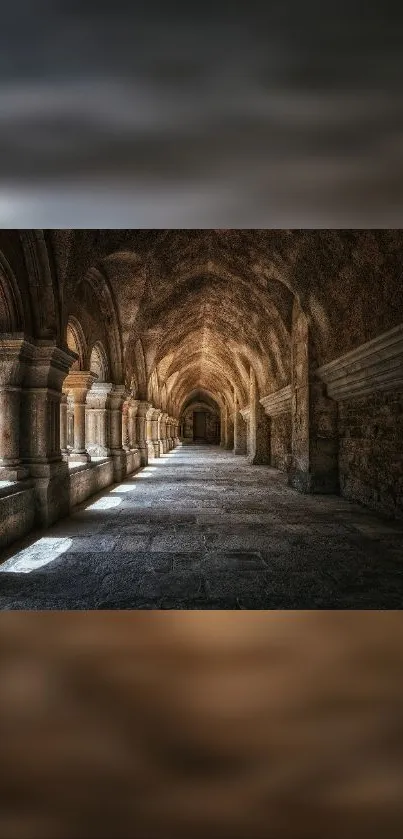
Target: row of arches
113	340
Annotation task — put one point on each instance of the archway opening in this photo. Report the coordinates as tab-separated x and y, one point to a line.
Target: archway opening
200	420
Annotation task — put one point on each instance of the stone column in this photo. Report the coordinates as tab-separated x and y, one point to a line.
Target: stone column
117	398
133	438
259	426
40	429
125	425
149	432
171	432
78	383
15	352
155	432
229	430
222	427
63	426
176	433
314	442
142	411
97	412
169	437
239	429
163	431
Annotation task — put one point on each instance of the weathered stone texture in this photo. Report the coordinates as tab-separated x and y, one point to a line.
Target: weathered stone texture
111	339
371	451
281	441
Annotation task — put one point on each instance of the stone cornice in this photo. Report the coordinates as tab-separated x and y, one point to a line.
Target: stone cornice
277	403
375	365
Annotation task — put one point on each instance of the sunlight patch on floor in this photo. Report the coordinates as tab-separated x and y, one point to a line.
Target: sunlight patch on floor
104	503
42	552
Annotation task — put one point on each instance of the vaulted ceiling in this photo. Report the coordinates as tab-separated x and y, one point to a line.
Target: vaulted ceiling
202	306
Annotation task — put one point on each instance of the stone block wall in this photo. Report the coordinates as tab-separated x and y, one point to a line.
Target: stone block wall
281	441
17	512
89	479
371	451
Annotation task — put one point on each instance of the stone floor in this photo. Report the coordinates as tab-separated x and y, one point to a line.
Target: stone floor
201	529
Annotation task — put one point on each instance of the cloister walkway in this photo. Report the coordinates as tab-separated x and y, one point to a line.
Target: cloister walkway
201	528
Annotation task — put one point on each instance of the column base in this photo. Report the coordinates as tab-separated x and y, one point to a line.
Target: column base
156	447
143	455
311	483
119	465
99	451
13	473
79	457
52	491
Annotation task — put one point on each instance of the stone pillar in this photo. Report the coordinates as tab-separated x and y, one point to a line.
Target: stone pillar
142	411
149	432
239	430
40	429
229	430
133	431
117	398
222	427
176	433
78	383
125	425
97	412
172	432
15	352
259	426
314	443
63	426
169	434
163	431
155	432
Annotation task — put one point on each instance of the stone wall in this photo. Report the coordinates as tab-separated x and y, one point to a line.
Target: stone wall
17	512
212	423
371	451
281	441
88	479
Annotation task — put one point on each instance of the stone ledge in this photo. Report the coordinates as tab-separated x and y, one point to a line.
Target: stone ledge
375	365
277	403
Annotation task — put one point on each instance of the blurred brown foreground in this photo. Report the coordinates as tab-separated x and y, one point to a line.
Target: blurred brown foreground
220	724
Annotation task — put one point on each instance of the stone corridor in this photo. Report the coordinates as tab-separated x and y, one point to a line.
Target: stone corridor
201	528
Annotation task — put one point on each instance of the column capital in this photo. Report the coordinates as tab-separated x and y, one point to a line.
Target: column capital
98	394
79	380
117	396
143	408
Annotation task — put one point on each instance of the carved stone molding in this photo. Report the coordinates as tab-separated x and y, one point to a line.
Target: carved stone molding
375	365
277	403
245	413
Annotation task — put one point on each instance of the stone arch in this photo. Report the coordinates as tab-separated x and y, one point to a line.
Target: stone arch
154	389
12	317
108	309
99	362
44	292
76	342
135	369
